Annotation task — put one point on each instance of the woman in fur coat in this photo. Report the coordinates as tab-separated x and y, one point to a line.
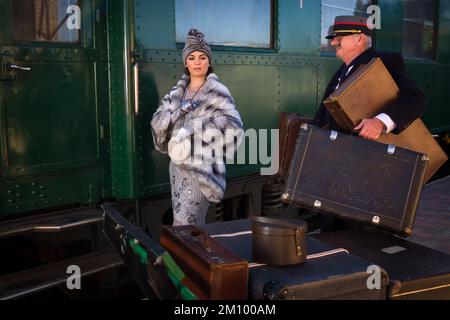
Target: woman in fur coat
197	116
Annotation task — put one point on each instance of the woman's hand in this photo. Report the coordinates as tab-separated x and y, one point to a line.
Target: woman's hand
181	135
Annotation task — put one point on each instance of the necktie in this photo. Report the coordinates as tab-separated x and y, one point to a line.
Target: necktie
343	75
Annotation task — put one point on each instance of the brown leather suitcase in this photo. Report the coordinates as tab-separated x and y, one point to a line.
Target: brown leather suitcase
213	271
417	138
355	179
329	272
364	95
289	124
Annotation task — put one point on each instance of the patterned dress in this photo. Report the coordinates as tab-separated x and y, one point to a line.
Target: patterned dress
189	205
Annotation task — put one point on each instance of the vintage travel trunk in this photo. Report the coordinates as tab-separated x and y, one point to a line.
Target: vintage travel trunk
415	271
329	272
289	125
356	179
364	95
213	271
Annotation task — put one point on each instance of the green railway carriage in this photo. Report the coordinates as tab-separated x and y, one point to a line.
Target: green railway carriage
80	80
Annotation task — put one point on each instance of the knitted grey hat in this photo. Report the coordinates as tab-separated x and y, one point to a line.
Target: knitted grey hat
196	42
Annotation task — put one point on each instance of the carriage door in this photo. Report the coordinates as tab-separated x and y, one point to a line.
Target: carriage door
50	59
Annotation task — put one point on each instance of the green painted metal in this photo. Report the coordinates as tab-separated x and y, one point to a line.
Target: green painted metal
255	90
176	275
327	67
140	252
5	34
443	52
102	93
432	84
51	149
389	37
29	193
299	28
292	77
51	129
124	148
159	31
297	86
85	140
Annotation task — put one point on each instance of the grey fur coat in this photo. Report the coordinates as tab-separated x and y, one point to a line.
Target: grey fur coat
216	110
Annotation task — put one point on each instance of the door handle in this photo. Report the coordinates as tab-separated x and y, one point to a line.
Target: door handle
10	66
136	87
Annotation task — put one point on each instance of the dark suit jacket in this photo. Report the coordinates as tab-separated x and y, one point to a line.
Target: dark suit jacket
409	106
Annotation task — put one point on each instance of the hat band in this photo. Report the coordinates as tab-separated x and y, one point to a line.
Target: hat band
350	31
352	23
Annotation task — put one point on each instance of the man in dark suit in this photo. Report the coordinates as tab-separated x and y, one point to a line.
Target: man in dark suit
352	39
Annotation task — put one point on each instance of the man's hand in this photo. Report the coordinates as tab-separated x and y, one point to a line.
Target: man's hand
370	129
181	135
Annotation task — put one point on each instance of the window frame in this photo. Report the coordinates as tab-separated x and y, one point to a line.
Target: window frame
50	44
273	40
435	50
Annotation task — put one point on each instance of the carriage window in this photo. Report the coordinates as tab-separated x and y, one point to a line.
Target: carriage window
228	23
418	28
333	8
45	20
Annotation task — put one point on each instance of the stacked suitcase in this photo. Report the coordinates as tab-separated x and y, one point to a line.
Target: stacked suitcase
361	263
338	174
355	179
329	272
341	264
415	271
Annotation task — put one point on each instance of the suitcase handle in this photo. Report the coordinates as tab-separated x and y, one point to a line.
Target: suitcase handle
201	237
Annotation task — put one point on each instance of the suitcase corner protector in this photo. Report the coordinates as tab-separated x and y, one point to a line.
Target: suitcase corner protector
285	197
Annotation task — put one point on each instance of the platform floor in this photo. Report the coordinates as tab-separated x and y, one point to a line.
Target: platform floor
432	225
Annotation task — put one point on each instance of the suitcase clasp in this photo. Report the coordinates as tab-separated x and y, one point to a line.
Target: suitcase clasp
391	149
376	220
333	135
